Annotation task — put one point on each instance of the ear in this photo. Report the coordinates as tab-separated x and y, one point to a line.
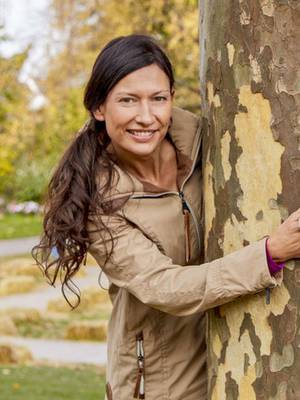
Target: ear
98	114
172	93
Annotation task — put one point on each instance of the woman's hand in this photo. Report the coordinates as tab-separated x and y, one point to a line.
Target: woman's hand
284	243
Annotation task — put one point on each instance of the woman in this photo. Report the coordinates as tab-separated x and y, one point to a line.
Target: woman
129	190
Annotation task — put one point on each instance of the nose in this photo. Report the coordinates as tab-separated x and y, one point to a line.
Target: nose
145	114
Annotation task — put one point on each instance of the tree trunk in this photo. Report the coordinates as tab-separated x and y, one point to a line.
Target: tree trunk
250	87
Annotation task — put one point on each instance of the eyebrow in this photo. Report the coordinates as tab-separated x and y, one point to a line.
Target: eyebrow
134	94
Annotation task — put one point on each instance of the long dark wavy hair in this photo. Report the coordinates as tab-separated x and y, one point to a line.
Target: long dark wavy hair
73	194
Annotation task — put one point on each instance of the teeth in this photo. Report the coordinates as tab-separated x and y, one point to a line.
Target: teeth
141	133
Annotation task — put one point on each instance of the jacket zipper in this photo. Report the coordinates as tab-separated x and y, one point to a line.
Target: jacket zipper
186	208
186	215
139	391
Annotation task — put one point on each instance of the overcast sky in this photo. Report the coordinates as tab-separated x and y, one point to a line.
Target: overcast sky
25	22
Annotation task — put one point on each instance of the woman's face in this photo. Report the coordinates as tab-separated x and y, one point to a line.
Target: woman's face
137	112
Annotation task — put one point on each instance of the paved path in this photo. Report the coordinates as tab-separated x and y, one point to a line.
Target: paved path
39	299
13	247
65	351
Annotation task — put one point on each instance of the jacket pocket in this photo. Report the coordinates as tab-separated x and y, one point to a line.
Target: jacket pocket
108	392
139	392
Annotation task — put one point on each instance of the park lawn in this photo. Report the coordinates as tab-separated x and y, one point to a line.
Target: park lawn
51	383
20	225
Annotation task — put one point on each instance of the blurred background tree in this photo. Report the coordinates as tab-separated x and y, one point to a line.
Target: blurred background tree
12	100
32	139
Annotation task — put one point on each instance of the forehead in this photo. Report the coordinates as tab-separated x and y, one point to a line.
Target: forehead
149	78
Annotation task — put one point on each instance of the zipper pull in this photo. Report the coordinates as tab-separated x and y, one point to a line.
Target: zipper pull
184	205
139	392
268	295
186	215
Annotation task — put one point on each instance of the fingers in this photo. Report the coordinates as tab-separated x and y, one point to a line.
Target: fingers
295	225
296	214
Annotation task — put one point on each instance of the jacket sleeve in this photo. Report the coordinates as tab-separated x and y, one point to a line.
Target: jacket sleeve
138	266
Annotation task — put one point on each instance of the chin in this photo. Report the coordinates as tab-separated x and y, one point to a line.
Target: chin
143	149
143	152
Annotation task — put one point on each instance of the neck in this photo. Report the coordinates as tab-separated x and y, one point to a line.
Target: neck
146	168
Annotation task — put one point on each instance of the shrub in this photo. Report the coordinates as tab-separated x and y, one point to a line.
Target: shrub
91	298
87	330
20	266
11	354
16	284
7	326
22	314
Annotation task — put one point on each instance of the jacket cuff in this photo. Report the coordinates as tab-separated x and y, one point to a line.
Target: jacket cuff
247	270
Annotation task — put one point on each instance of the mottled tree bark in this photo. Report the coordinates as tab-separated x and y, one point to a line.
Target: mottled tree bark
250	86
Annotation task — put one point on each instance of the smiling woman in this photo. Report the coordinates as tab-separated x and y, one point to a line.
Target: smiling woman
129	191
137	115
138	111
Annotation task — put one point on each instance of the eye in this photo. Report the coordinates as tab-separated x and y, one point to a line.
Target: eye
127	100
160	98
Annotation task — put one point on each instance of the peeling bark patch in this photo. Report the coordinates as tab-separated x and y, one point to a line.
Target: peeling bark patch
273	204
297	277
231	388
234	235
256	73
225	150
281	392
221	338
210	210
259	216
284	327
291	266
245	16
213	97
231	52
267	7
295	162
243	108
246	363
259	369
217	352
249	326
280	361
246	385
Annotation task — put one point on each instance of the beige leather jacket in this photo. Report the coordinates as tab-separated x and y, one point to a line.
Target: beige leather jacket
159	285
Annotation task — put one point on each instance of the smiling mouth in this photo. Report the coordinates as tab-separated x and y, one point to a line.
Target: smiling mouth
142	133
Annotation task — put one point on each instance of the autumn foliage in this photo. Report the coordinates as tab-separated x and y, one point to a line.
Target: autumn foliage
31	138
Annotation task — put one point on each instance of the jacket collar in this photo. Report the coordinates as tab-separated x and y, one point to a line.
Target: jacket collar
185	132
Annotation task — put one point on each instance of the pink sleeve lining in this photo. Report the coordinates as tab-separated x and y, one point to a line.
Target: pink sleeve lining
273	266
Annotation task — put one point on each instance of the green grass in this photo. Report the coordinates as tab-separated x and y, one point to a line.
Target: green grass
51	383
18	225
